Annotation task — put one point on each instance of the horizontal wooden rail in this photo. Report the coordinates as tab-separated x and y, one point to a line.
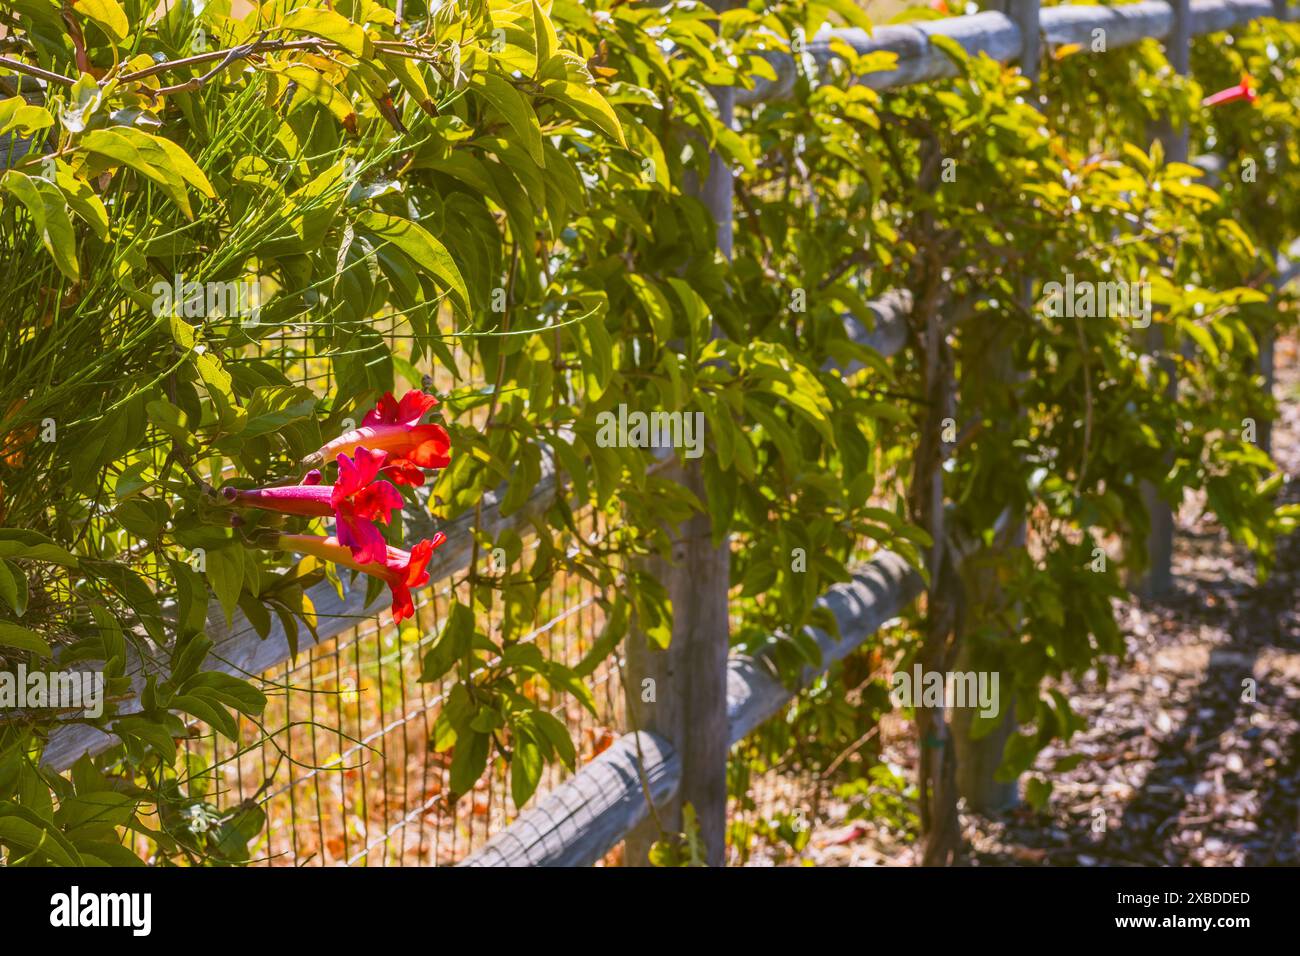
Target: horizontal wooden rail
583	819
997	35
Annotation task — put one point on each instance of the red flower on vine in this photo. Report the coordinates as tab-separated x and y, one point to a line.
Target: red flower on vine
393	427
355	502
1244	90
400	570
357	499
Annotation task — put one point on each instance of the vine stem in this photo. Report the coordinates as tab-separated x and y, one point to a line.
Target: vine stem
18	66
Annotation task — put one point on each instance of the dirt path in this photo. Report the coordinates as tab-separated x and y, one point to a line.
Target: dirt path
1180	766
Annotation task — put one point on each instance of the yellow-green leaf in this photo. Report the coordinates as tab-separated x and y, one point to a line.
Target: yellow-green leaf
11	635
328	25
82	199
589	104
516	110
133	149
426	251
17	113
544	35
316	86
105	14
49	214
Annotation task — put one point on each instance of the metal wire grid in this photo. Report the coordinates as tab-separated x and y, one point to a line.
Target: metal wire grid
782	777
342	761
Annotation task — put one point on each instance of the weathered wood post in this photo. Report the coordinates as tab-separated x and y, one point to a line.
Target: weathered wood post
978	759
1265	343
1160	536
681	693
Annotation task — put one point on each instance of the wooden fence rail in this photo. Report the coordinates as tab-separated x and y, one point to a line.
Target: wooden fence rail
580	821
997	35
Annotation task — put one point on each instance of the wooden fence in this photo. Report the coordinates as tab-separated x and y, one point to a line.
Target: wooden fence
577	823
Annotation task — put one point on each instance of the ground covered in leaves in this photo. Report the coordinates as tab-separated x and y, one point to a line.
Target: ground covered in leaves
1191	751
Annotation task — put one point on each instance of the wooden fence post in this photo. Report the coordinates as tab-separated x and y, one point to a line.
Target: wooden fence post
1265	342
978	759
1160	536
681	693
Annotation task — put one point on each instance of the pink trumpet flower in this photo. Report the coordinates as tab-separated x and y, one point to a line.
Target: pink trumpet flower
1242	91
393	427
401	570
355	502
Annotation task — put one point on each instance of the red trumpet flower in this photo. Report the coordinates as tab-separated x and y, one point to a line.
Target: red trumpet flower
355	502
1242	91
401	570
357	499
393	427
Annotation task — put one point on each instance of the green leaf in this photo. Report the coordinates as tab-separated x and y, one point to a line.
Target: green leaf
101	808
561	677
225	570
273	421
105	14
452	644
232	691
558	735
22	828
33	546
525	770
49	212
427	252
327	25
656	305
544	36
514	107
13	588
148	731
209	710
469	760
586	102
131	587
11	635
105	853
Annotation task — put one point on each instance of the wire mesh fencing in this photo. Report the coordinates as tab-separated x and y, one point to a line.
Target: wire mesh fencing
342	761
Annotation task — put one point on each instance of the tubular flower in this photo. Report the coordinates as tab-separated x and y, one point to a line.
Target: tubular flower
1244	90
393	427
357	499
354	503
400	570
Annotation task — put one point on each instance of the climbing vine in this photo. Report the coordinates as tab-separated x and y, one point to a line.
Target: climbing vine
233	238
